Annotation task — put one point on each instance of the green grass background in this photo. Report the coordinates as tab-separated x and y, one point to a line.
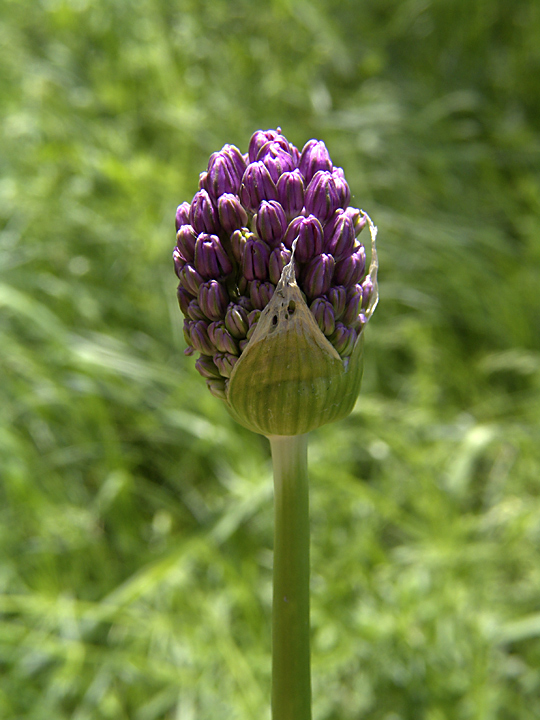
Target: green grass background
135	516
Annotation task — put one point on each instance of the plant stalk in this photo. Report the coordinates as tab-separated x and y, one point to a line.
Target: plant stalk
291	677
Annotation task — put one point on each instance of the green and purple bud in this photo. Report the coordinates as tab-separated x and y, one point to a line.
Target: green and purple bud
308	232
221	338
206	366
260	293
255	261
213	299
232	215
194	311
277	159
350	270
359	219
186	237
221	177
342	187
352	305
257	185
279	257
273	284
190	279
339	235
323	312
322	198
236	321
211	260
368	291
179	262
317	278
198	333
290	191
337	297
182	215
239	239
225	363
259	139
203	215
270	222
314	157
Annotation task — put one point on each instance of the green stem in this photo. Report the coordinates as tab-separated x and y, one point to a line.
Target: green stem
291	681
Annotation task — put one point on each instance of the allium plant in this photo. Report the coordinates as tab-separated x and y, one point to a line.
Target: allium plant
276	294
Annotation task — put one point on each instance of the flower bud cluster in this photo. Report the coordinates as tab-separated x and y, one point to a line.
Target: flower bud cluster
236	236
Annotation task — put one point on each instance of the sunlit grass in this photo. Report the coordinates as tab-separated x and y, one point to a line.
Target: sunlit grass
135	516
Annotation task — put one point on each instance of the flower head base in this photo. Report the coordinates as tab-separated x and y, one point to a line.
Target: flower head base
274	284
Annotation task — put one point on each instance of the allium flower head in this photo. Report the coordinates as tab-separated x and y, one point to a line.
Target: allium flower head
274	285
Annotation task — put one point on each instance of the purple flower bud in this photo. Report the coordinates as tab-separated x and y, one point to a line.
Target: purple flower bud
295	154
337	296
323	313
276	158
350	270
211	260
221	338
235	159
257	185
260	293
361	321
279	257
194	312
218	387
221	177
187	333
343	339
185	241
225	363
367	291
238	243
198	332
231	213
203	181
184	298
322	197
182	215
342	187
358	218
260	138
179	261
290	192
309	232
255	263
206	366
190	279
314	157
236	321
203	215
318	275
213	299
352	306
225	170
339	235
253	318
270	222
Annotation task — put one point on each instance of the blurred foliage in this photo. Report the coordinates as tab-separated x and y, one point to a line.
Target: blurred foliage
135	517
